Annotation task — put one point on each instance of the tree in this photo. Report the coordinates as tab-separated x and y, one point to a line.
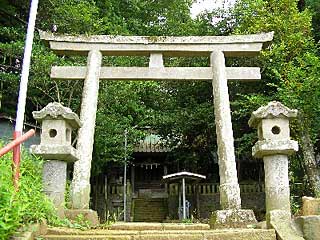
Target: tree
314	7
182	111
291	68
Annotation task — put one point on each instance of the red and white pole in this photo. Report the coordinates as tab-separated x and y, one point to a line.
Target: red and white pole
23	88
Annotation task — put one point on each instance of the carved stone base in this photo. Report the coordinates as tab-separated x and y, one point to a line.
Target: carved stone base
235	218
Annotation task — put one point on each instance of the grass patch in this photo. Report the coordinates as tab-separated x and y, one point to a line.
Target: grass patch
29	204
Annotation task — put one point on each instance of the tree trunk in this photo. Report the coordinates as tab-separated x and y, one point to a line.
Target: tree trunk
309	160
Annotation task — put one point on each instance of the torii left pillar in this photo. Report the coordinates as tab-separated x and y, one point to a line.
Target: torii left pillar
80	188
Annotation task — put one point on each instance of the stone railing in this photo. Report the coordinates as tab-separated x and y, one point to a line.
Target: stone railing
252	188
117	189
203	188
213	188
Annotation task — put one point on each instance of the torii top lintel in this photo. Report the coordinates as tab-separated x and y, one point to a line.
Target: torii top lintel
232	46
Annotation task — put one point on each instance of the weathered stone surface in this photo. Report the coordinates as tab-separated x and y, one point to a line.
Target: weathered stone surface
56	152
274	147
277	183
310	206
54	177
170	46
57	111
232	218
181	226
244	234
274	129
161	74
261	225
156	60
310	226
272	110
55	132
87	214
229	187
148	234
272	122
146	40
140	226
57	123
280	220
80	187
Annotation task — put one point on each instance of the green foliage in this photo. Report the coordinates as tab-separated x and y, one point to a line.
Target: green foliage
142	17
73	17
121	106
112	218
78	223
291	62
29	204
314	7
181	111
291	67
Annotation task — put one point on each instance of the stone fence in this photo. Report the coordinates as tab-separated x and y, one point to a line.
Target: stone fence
203	188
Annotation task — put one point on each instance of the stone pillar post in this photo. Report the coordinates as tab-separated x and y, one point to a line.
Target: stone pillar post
277	182
229	187
274	146
55	147
54	178
80	188
231	214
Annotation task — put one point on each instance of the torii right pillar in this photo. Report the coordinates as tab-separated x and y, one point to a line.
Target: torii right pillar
231	214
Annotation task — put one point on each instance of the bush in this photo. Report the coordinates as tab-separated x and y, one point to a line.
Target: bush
29	204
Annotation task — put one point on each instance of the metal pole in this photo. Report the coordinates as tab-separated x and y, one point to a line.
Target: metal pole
184	198
125	176
24	86
179	196
26	66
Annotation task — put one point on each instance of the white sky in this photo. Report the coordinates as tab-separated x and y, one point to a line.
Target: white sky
202	5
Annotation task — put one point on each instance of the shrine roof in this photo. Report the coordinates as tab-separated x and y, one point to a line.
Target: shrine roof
186	175
152	143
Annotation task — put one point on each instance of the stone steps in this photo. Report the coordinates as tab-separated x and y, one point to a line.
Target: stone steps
180	234
143	226
149	209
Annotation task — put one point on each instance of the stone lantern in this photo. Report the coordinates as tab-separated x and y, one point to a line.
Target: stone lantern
55	147
274	146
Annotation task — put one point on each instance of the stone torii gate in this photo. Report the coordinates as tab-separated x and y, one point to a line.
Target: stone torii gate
215	47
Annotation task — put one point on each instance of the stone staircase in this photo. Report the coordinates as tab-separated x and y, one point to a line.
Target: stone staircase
150	209
158	231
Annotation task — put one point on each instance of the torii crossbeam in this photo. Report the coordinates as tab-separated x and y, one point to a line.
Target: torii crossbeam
215	47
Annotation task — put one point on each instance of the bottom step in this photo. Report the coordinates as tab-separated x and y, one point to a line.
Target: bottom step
228	234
